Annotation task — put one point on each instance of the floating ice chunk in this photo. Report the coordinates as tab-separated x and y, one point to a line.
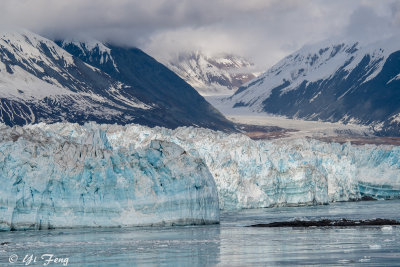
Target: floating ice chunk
375	246
365	259
387	228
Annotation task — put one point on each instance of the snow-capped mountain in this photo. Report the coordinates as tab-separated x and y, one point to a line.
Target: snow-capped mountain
212	75
173	101
42	82
332	81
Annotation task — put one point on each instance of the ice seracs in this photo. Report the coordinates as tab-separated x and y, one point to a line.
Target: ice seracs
255	174
68	175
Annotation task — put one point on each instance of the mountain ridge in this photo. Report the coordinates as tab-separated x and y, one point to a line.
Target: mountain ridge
41	81
335	82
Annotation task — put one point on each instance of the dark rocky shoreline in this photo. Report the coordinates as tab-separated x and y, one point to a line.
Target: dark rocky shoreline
329	223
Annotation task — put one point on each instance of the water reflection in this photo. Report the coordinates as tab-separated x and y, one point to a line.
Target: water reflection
228	244
172	246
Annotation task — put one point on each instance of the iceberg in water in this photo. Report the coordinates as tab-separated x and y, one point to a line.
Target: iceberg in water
72	176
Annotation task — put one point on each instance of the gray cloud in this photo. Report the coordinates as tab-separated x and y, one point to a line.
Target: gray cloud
262	30
367	25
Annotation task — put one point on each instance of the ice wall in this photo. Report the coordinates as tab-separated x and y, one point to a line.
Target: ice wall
251	174
50	180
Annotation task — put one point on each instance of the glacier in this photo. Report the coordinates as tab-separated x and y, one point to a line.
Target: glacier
71	175
256	174
49	180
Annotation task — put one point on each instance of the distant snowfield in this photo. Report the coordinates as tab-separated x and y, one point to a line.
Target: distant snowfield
301	128
212	75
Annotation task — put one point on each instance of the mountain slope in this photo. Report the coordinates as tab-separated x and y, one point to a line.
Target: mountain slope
42	82
217	75
39	81
174	102
345	82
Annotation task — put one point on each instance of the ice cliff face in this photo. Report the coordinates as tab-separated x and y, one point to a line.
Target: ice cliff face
253	174
67	175
72	176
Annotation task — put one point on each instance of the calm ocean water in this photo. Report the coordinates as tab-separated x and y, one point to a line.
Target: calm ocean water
227	244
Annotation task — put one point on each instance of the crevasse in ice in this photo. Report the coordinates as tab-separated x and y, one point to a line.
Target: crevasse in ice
77	178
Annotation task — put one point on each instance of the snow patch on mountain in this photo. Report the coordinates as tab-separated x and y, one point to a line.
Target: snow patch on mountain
395	78
23	85
90	46
27	49
27	45
116	91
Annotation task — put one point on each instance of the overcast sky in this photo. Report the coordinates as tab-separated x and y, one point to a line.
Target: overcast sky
261	30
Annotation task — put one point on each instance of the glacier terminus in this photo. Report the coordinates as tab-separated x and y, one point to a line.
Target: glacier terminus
66	175
71	176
